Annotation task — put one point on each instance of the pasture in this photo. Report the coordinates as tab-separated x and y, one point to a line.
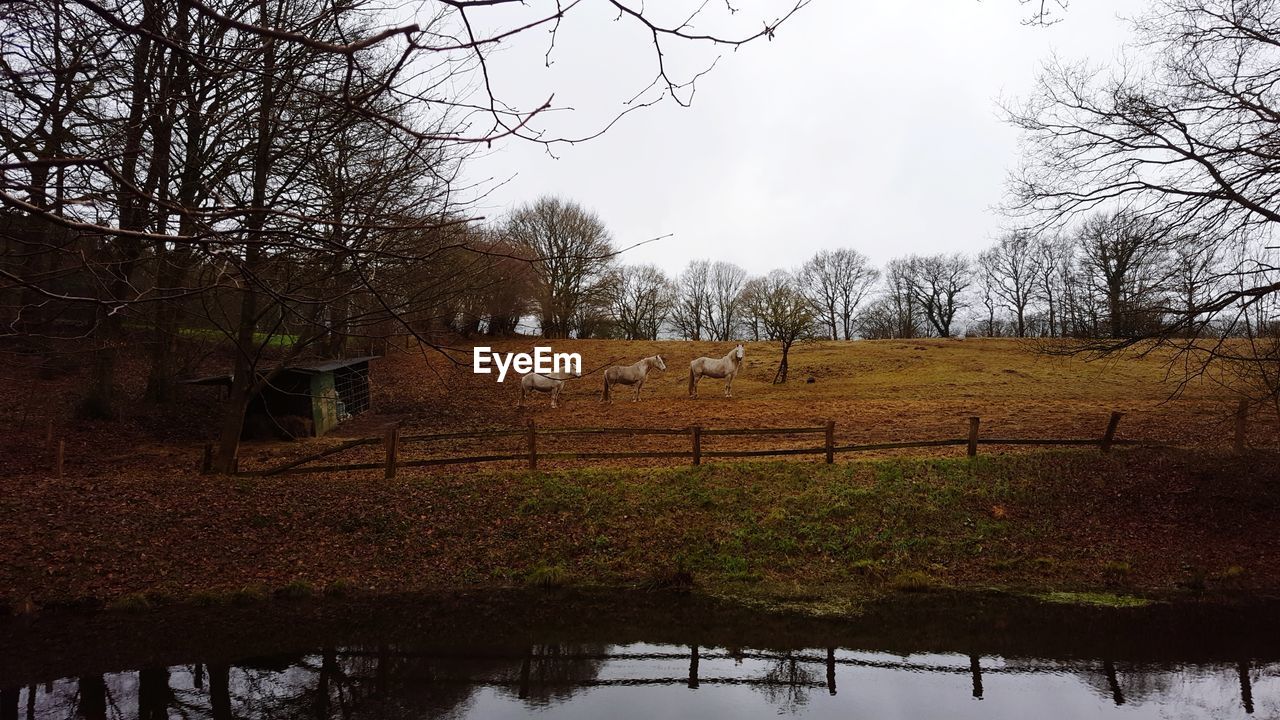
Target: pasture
875	391
1017	517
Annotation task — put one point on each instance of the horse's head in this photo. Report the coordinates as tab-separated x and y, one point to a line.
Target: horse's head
739	353
658	362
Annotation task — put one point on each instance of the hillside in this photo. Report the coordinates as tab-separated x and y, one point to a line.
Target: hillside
874	390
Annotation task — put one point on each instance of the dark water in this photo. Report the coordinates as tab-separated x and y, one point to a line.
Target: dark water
604	658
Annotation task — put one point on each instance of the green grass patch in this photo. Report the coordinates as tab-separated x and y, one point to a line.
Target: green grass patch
547	576
1096	599
282	340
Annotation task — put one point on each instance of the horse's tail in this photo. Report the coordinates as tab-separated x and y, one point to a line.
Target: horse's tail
691	378
605	397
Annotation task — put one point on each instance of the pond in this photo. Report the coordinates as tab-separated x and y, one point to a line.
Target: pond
576	655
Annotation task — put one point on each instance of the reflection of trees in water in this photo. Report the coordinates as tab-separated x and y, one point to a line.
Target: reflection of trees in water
553	673
1121	683
1169	684
787	682
393	684
330	685
377	682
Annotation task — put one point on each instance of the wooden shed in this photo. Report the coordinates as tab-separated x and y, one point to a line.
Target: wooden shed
305	398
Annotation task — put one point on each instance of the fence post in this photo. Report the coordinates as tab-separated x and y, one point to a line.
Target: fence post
831	441
697	444
533	446
973	437
1242	420
392	444
62	448
1111	431
206	462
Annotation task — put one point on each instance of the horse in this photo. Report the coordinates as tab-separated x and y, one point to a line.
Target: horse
633	375
544	382
726	367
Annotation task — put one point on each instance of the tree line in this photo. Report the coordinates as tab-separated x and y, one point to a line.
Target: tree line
1115	275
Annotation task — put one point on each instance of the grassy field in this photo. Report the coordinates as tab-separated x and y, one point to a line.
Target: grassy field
132	524
875	392
1138	522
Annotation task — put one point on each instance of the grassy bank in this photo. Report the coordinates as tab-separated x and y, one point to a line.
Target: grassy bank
1140	522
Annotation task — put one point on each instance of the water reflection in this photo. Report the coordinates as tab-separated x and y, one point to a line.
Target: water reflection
650	680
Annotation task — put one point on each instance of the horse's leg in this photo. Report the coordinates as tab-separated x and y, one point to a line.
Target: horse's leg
728	384
635	396
555	397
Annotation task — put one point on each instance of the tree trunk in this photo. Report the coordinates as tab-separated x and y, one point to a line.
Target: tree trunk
93	698
220	692
154	694
781	376
244	377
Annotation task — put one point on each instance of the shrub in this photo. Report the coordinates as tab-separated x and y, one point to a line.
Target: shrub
547	576
340	588
296	590
912	581
248	595
134	602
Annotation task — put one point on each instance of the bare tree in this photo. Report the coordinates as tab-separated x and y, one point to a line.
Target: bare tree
786	314
753	307
897	313
572	254
640	298
692	302
1187	135
837	281
725	282
1193	276
1011	267
937	282
987	288
1123	254
1053	257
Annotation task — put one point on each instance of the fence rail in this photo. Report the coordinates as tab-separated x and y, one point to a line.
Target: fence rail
393	441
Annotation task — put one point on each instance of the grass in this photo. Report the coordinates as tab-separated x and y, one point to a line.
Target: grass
282	340
547	577
1137	522
1096	599
133	602
875	391
296	590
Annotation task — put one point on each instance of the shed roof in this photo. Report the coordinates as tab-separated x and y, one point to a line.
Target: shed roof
329	365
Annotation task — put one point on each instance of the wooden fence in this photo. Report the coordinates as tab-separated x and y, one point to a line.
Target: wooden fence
394	441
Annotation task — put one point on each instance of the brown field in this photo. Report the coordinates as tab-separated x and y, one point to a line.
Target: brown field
875	391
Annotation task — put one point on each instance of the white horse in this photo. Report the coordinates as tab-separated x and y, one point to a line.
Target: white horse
632	375
726	367
546	383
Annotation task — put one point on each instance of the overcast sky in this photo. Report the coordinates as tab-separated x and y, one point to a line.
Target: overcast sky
870	124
